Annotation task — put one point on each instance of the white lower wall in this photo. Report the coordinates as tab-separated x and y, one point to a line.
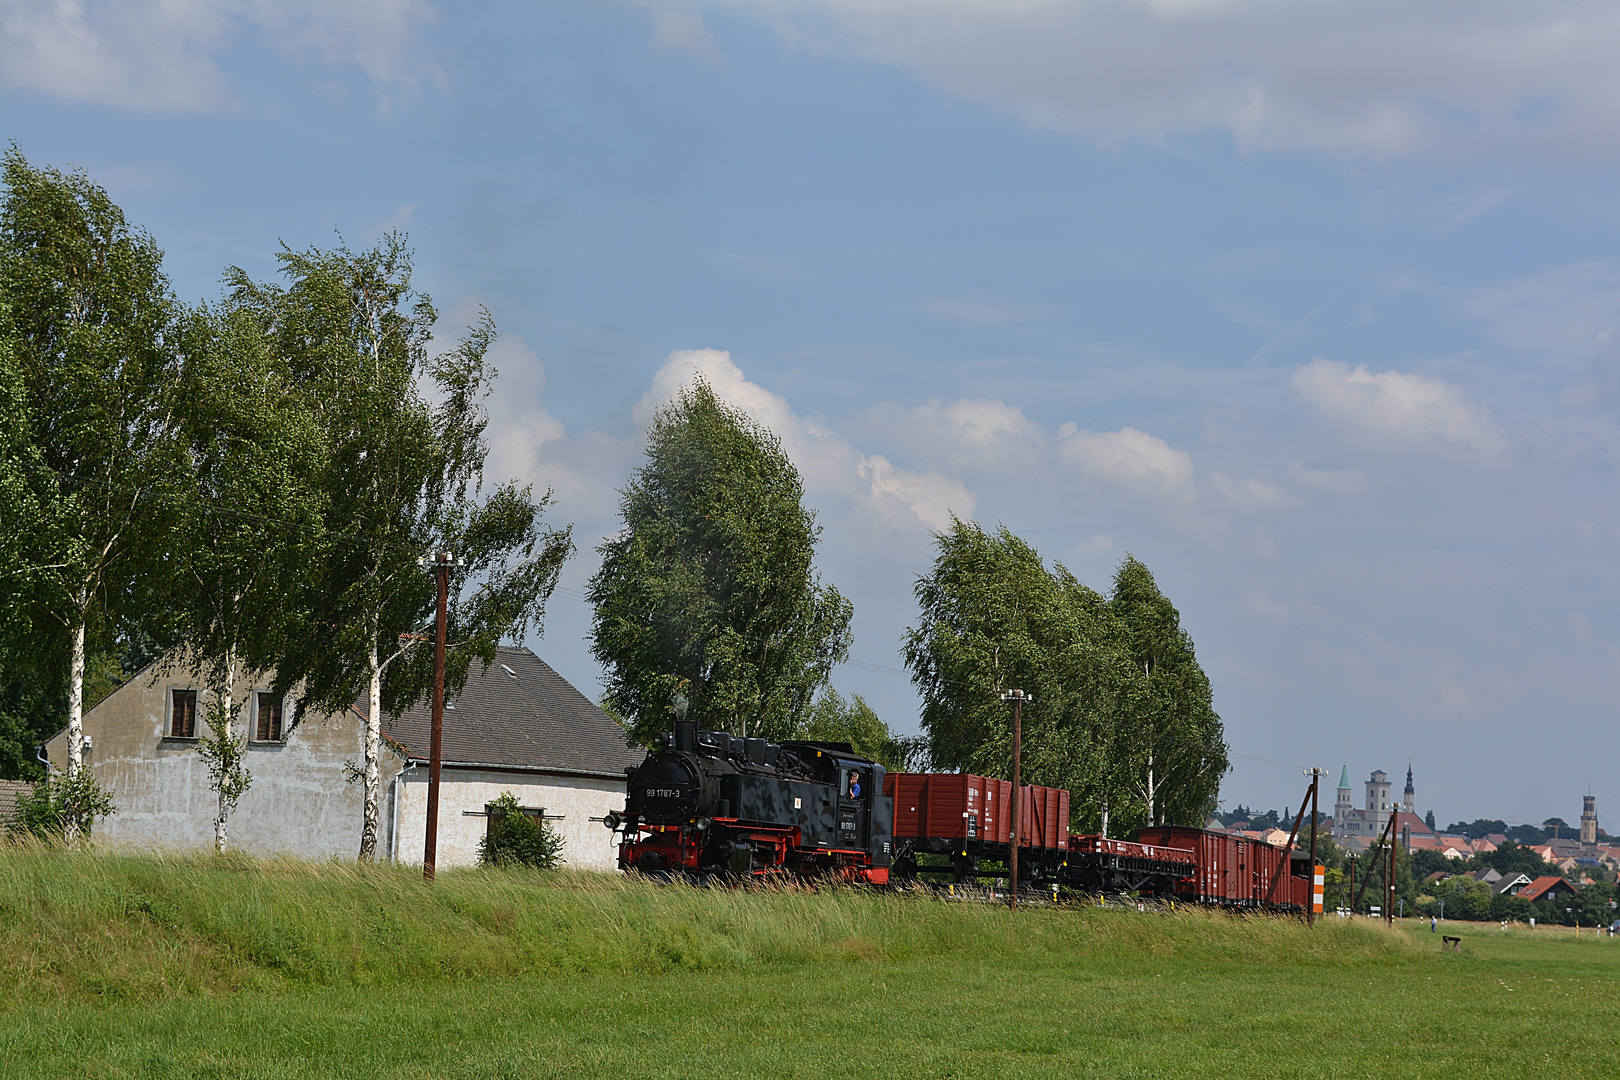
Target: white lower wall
570	804
298	803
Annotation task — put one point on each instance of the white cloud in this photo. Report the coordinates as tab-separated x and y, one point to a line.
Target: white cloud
983	435
930	498
683	31
1247	491
1553	314
158	55
827	462
1130	459
1381	77
1399	407
1330	479
520	426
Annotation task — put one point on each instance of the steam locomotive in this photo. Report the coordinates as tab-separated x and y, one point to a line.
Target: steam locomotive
707	805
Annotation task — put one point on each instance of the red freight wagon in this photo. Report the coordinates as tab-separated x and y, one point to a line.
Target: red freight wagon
1044	817
1233	871
969	818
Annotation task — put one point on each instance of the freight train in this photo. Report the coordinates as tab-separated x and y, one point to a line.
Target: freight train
707	805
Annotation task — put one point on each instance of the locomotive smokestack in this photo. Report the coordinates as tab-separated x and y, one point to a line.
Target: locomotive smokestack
686	735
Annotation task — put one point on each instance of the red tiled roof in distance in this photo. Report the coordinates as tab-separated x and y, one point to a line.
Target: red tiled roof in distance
1545	886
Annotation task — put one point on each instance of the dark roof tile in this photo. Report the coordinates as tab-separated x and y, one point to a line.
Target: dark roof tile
532	718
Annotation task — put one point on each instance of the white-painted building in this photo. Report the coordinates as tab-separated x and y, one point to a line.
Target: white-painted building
516	727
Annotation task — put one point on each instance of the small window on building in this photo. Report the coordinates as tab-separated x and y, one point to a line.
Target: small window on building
492	812
268	709
183	719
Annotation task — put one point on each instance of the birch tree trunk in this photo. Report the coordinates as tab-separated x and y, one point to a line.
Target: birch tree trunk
373	748
1105	817
75	727
228	718
1150	789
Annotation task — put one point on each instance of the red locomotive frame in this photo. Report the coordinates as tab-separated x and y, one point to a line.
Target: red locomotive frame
757	851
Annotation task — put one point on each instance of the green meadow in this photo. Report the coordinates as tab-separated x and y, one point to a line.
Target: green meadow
178	967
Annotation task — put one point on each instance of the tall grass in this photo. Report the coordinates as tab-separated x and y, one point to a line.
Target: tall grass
81	925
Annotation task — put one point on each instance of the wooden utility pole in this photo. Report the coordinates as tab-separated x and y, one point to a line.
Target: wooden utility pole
1372	860
1310	900
1389	908
1282	864
441	568
1017	697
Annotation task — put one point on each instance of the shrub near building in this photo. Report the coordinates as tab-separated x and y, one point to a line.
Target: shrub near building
517	838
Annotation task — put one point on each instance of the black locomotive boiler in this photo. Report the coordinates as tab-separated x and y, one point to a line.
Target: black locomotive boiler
706	803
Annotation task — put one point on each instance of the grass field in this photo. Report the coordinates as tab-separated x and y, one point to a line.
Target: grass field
167	968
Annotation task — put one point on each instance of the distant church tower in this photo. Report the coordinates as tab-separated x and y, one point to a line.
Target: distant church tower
1378	792
1409	800
1588	821
1342	808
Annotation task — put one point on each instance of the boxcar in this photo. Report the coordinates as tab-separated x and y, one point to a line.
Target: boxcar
1235	871
968	819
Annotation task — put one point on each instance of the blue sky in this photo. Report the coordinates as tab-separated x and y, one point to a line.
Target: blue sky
1312	307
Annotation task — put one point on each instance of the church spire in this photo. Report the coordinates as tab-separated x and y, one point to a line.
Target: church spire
1409	799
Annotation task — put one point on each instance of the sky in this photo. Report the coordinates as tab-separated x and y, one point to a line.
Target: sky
1312	307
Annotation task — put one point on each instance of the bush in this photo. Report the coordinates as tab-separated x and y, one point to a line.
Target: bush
1508	906
60	801
516	839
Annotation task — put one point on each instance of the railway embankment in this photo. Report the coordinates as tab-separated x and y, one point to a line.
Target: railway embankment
85	925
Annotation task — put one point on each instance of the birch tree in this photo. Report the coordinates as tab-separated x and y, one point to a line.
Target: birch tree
993	618
1121	716
251	526
92	324
403	478
712	586
1175	747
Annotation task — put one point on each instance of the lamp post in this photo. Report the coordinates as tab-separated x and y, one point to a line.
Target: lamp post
1017	697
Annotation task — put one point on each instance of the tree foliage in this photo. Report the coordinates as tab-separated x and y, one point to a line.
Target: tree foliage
1465	898
833	719
252	521
1177	752
94	459
64	806
401	478
1513	858
711	586
1121	713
